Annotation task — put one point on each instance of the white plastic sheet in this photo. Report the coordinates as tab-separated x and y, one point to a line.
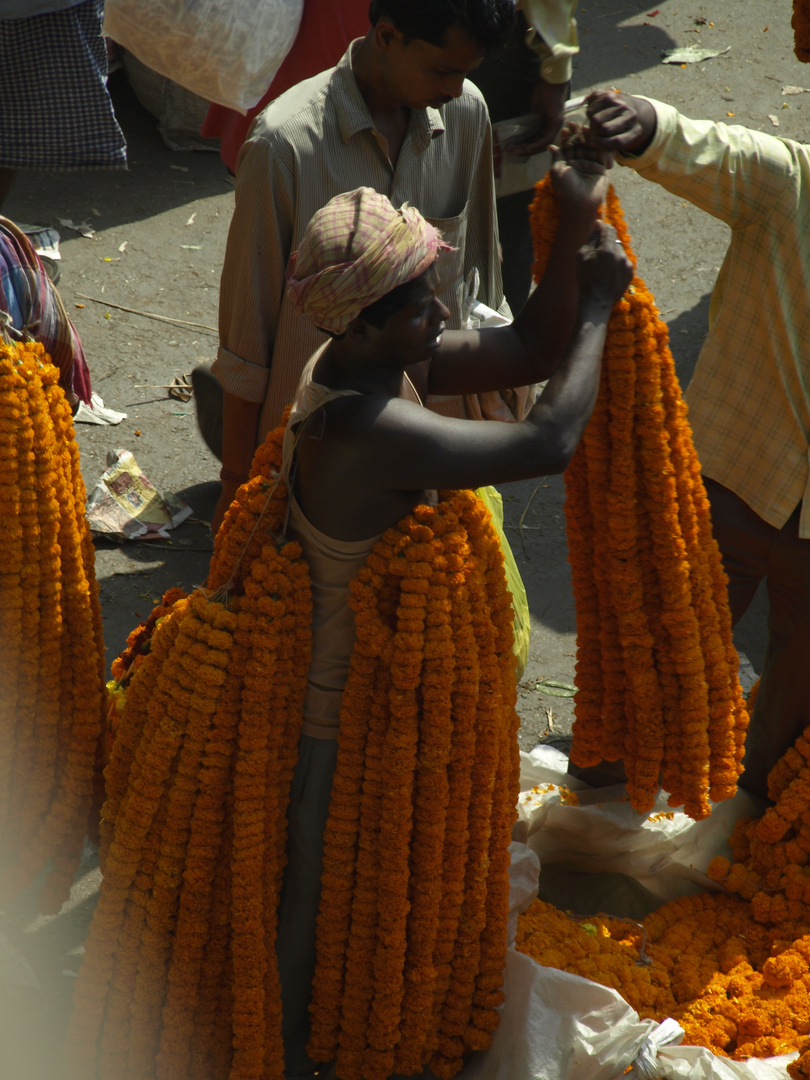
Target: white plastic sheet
665	851
226	51
557	1026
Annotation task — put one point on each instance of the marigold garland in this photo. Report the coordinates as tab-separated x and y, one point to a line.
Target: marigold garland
411	933
51	646
179	977
656	670
733	970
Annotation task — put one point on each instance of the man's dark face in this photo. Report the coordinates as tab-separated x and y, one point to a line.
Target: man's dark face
419	74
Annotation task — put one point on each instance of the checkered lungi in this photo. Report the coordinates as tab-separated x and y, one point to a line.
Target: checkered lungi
55	110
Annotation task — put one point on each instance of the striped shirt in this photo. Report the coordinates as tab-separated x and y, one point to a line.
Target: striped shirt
314	142
749	399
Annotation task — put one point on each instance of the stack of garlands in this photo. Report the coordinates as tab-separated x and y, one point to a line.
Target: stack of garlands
179	977
733	970
656	668
51	649
801	30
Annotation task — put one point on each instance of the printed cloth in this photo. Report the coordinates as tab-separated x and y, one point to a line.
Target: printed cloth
34	309
55	110
355	251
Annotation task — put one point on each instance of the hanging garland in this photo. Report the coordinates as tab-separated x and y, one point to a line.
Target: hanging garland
411	931
51	645
656	668
179	977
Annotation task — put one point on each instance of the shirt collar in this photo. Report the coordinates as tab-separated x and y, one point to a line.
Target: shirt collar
353	115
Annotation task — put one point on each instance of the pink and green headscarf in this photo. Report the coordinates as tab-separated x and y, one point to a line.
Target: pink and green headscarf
357	249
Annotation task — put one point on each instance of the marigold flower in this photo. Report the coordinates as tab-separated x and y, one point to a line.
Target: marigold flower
656	668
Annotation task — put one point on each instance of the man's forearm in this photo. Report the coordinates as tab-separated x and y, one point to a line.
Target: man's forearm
551	312
565	406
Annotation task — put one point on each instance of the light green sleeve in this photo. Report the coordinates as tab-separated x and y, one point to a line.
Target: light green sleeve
733	173
553	35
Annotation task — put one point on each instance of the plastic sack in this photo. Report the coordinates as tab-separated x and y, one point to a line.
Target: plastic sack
227	51
665	851
491	498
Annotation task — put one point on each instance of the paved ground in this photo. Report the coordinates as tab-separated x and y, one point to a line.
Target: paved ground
160	236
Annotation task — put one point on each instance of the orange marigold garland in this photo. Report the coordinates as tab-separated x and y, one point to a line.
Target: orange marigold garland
656	674
410	967
734	970
179	975
52	666
177	978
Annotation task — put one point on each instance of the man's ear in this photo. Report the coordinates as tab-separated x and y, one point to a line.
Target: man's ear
357	329
386	35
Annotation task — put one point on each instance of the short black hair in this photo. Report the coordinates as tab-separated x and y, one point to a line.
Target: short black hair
487	22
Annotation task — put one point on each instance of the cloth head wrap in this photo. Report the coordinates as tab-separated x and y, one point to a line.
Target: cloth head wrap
357	249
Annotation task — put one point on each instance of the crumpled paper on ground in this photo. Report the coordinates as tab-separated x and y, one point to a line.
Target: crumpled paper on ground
124	504
97	413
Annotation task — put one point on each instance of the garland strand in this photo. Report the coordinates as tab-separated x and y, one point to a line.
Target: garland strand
179	977
656	667
734	970
52	668
411	931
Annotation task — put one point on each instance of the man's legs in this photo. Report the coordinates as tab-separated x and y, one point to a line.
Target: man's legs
753	549
300	895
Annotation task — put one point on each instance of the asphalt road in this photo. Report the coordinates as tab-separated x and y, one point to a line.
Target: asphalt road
160	232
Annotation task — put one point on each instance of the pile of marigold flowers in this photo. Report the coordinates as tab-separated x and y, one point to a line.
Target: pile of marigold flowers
656	671
51	647
179	977
733	970
801	30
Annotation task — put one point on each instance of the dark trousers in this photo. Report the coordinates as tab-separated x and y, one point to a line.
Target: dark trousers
752	550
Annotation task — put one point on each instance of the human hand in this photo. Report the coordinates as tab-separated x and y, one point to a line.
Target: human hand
548	105
618	123
579	175
603	267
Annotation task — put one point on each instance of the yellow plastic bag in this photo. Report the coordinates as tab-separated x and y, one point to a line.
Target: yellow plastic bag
491	498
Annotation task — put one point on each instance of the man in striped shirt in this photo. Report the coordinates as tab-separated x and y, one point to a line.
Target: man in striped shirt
749	399
396	115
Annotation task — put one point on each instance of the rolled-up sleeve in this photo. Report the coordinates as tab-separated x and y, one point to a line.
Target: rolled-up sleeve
253	274
239	377
553	36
